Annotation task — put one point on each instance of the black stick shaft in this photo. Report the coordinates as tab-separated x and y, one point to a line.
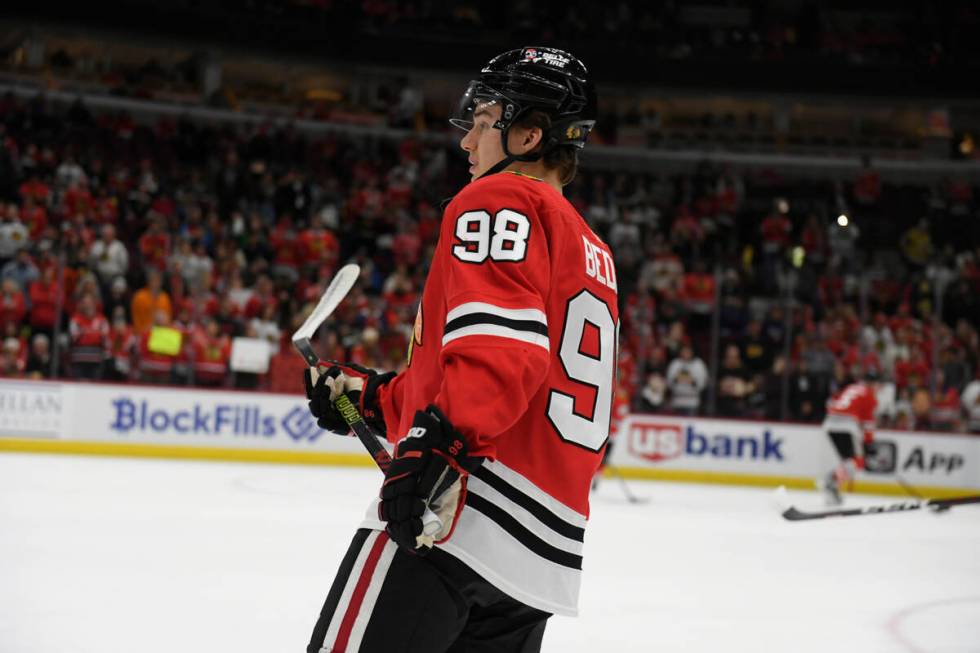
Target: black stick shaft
363	432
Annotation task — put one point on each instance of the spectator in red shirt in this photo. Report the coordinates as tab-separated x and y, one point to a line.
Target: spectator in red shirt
201	302
122	345
78	198
265	293
35	218
698	291
398	289
814	242
87	285
89	331
36	189
283	241
912	371
13	308
867	186
407	245
318	247
212	352
45	294
776	229
944	412
154	244
686	233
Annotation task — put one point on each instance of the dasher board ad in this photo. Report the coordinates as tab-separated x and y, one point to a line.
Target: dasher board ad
102	412
657	442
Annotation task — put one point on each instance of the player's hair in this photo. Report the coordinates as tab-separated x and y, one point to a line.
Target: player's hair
564	159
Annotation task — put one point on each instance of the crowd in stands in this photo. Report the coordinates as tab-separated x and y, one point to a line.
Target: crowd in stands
112	230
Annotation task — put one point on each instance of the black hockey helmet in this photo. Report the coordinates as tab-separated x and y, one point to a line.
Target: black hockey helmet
534	78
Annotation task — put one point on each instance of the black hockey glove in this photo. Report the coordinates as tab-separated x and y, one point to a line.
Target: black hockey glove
430	468
360	384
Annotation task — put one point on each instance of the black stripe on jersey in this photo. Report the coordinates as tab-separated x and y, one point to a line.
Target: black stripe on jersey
489	318
545	516
533	543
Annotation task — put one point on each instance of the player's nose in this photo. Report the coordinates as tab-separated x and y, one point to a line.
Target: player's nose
468	143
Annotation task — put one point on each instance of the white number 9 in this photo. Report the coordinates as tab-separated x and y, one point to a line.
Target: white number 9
583	430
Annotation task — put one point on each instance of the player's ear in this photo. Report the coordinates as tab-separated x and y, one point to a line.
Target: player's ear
530	138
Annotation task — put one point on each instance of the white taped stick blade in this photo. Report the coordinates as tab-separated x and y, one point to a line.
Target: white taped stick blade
339	286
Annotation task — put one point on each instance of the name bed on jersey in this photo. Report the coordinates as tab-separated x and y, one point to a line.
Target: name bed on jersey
599	265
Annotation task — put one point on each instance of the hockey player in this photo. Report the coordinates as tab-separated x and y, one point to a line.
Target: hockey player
502	414
850	424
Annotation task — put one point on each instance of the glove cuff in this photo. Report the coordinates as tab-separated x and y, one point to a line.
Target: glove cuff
452	445
368	403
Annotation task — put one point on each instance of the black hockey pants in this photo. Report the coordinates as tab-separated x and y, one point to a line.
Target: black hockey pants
387	600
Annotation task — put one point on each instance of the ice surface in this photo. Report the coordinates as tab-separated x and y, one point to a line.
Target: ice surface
103	555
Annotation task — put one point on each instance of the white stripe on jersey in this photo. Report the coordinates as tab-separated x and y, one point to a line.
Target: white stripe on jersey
492	552
525	518
525	324
497	330
531	314
536	493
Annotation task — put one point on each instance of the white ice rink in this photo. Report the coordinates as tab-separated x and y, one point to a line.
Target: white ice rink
103	555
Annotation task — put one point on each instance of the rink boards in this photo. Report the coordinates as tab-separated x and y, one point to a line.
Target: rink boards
108	419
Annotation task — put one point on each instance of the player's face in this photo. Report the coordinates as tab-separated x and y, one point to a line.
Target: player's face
482	141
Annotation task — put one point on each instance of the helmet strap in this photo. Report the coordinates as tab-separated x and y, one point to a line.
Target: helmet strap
509	157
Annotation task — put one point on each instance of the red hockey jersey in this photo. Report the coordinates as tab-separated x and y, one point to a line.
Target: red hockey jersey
515	340
858	402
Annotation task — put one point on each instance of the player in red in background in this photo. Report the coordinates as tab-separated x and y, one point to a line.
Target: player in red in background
502	415
850	424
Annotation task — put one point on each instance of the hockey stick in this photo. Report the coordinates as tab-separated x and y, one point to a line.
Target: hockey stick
937	505
915	493
908	488
632	498
339	286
